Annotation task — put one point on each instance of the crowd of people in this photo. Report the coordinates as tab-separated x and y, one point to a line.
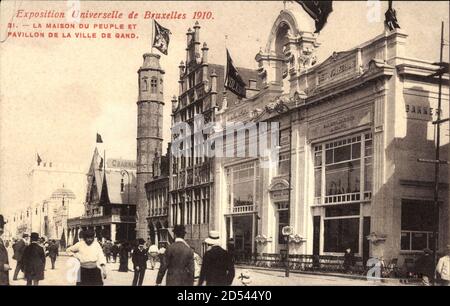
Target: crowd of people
178	262
30	253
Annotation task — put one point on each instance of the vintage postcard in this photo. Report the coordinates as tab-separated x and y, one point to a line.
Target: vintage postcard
218	143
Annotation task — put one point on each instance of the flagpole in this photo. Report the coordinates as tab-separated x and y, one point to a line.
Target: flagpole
104	161
226	61
153	30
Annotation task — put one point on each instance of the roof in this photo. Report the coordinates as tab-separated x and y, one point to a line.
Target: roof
109	191
61	193
114	189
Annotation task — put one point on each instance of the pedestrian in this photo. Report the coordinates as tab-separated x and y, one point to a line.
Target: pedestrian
107	250
162	255
123	257
443	268
115	251
179	261
53	252
139	258
18	249
217	267
424	267
153	255
4	261
231	248
349	260
34	261
197	266
92	260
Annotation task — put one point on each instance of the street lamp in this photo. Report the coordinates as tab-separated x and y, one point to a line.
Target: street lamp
123	172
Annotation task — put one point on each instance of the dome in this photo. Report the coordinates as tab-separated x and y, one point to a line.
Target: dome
61	193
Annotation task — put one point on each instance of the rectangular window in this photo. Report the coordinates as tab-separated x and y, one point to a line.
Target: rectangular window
243	183
283	164
283	221
417	225
343	159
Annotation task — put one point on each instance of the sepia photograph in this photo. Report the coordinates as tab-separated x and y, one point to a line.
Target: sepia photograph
231	144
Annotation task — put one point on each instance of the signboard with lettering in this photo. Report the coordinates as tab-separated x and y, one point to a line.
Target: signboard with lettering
341	122
420	112
339	70
121	163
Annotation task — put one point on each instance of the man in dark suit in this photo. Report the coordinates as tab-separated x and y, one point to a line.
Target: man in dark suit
179	262
139	258
4	263
217	267
34	261
19	248
53	253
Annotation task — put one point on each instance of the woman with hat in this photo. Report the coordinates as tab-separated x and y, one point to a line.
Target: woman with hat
34	261
124	249
92	260
217	267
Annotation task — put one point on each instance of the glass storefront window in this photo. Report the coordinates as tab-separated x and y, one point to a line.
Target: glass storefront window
341	234
343	178
243	184
343	159
417	225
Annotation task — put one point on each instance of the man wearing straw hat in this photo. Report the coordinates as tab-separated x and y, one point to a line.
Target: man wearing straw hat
4	263
217	267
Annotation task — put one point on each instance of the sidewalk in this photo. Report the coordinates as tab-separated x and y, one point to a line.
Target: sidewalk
390	281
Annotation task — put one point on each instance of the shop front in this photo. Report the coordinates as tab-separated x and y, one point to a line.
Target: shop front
243	197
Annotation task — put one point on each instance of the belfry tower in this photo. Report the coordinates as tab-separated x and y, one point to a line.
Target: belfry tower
149	132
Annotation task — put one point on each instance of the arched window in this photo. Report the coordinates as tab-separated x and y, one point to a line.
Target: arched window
144	84
153	84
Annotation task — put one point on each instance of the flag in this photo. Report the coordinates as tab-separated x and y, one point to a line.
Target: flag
390	18
39	160
99	138
162	38
233	80
318	10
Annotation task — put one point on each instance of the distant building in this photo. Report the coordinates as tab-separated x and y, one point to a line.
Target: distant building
110	201
44	179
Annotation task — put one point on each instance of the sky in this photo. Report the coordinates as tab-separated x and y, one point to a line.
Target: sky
56	94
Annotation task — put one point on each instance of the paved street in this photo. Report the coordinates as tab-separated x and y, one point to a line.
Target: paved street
64	274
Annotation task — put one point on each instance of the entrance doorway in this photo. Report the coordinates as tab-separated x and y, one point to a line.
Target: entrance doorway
241	231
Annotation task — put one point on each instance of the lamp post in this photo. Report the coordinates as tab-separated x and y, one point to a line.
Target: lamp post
123	172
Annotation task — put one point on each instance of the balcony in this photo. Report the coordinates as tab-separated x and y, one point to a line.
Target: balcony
159	212
243	209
